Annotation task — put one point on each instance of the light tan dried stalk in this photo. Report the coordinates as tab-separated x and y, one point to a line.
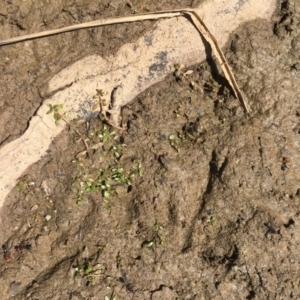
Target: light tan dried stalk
188	12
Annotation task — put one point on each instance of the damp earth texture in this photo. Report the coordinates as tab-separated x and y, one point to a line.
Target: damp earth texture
195	200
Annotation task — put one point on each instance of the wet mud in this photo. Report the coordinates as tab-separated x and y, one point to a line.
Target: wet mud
195	201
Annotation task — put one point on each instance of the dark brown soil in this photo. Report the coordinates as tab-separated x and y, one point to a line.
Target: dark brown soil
213	208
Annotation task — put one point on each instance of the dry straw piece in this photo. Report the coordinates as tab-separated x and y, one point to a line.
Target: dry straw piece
191	15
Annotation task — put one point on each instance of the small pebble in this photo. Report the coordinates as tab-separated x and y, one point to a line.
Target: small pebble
34	207
48	217
14	288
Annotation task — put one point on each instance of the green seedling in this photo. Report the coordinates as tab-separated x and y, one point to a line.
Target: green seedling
90	185
86	184
107	178
117	150
106	191
106	181
57	114
103	182
79	188
106	135
113	296
177	112
77	161
177	66
161	239
79	200
25	184
203	66
173	141
216	87
6	60
150	244
119	176
211	220
138	168
182	136
223	120
157	228
85	270
101	101
153	242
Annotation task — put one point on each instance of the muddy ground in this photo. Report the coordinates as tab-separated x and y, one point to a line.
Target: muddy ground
195	201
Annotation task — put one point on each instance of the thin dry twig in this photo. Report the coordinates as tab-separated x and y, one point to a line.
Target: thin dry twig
220	56
96	23
192	16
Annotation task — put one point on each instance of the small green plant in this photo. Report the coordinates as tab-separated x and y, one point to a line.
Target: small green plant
59	115
88	272
6	60
150	244
158	227
138	168
173	141
158	237
211	220
203	66
106	135
177	66
117	150
83	184
215	87
177	112
55	110
26	185
223	120
80	188
113	296
120	176
105	181
106	191
77	161
182	136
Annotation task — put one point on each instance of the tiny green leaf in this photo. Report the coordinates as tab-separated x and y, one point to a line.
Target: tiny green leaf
50	109
150	244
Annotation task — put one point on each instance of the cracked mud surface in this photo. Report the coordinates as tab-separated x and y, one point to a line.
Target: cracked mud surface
215	212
